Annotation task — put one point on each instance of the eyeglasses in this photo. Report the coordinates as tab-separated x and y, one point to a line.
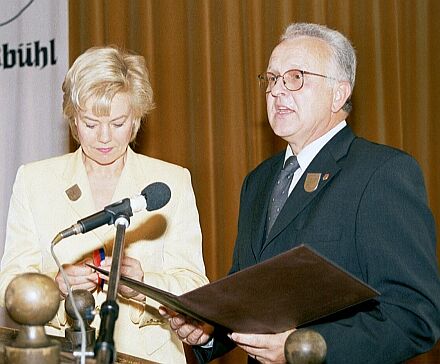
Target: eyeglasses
293	80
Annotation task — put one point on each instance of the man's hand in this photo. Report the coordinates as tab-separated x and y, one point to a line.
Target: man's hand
264	348
188	330
79	276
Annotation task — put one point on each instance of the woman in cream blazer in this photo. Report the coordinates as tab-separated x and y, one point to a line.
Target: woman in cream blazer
51	195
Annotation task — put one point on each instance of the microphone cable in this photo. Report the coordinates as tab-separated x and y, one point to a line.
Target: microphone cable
83	352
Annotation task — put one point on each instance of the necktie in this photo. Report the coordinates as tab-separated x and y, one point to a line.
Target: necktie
281	191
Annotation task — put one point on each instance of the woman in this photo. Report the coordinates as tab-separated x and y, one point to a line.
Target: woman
106	96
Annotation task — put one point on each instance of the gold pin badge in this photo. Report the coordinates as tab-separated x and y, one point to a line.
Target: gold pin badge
312	181
326	176
74	193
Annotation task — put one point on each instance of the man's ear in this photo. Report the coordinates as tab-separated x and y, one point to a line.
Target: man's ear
342	92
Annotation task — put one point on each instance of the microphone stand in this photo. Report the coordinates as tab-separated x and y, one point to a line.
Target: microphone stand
105	352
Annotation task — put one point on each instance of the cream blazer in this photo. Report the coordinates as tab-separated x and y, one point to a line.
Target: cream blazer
167	242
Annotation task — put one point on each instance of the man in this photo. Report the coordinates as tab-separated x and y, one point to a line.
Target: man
360	204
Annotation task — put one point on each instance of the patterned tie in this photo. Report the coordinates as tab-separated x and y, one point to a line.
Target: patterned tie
281	191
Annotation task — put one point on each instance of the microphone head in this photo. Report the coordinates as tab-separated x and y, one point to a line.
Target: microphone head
157	195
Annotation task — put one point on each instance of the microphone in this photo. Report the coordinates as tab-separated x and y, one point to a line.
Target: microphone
152	197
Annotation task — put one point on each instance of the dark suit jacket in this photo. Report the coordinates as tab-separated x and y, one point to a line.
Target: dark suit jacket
369	215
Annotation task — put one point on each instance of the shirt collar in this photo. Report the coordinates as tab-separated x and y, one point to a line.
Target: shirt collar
310	151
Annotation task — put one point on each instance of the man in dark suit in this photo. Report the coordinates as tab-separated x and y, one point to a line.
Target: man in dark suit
360	204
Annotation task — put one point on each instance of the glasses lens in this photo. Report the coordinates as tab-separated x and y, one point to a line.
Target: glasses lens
293	80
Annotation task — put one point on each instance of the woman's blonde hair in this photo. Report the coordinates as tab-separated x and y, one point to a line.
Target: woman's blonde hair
99	74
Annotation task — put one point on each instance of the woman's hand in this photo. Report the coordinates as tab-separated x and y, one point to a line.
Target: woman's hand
131	268
79	276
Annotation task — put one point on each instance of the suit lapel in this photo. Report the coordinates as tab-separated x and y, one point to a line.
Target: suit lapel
261	205
326	165
76	187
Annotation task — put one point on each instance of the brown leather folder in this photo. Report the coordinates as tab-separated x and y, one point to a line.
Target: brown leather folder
286	291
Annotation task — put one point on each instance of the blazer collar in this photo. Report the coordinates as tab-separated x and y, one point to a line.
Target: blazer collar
324	167
77	188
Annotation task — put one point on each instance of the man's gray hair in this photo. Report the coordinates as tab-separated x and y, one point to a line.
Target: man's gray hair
343	60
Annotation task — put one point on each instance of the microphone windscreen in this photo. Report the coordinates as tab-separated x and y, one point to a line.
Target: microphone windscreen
157	195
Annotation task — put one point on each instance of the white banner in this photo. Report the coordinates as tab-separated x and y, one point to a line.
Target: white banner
33	62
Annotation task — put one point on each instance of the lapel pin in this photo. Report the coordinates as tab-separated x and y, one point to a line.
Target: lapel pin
312	181
326	176
74	193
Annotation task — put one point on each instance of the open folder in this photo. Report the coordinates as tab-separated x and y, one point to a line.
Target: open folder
286	291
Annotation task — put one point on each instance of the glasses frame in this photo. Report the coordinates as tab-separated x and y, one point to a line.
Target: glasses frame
263	76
